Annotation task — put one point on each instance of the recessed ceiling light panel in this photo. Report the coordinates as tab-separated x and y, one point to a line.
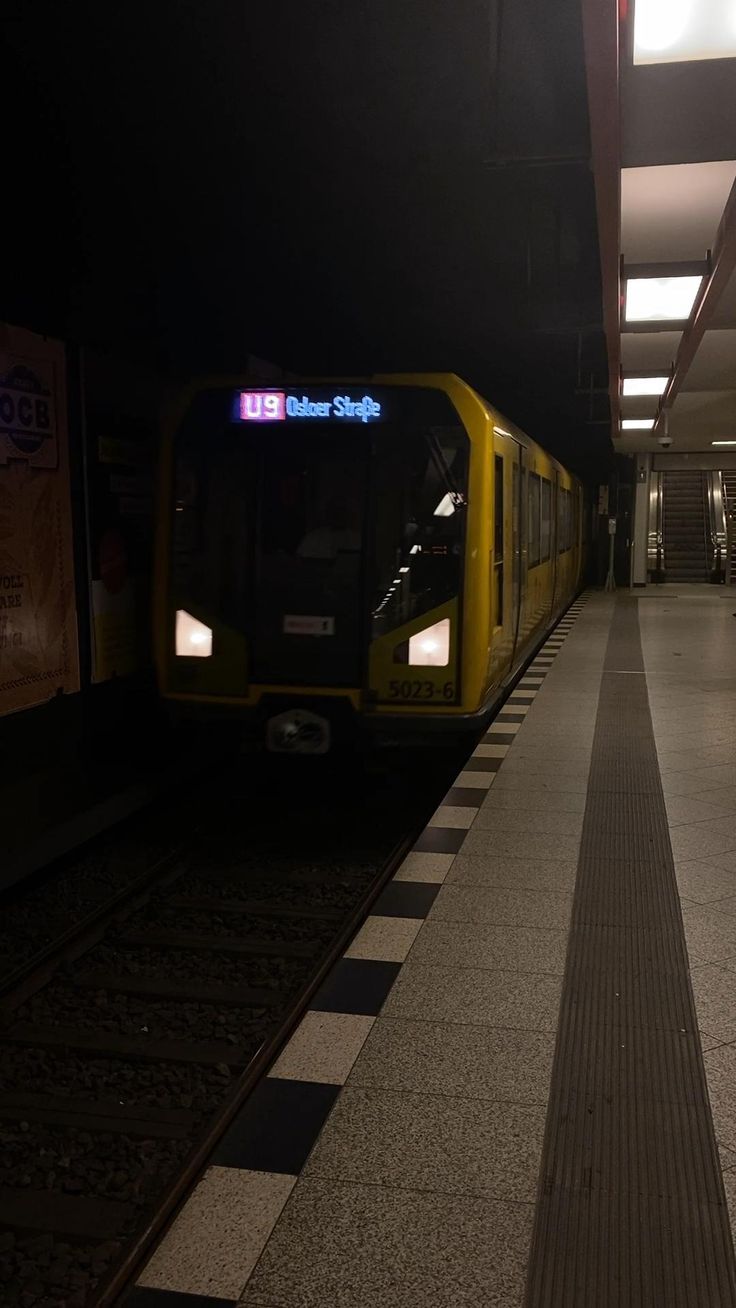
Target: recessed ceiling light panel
723	442
645	385
670	31
661	299
637	424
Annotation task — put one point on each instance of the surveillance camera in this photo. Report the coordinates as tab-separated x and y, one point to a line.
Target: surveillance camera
664	441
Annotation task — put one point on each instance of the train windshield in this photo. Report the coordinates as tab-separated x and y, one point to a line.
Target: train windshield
313	541
419	527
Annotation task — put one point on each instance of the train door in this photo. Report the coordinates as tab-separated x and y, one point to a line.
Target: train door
554	543
505	575
499	589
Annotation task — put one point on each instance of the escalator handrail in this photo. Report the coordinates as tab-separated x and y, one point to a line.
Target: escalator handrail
655	536
717	538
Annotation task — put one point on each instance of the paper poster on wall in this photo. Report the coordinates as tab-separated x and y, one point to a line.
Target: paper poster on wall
38	624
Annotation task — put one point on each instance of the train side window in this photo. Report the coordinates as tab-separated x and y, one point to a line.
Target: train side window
564	516
498	506
534	507
498	509
546	529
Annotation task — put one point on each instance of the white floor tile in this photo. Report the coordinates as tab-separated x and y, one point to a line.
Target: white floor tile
453	815
323	1048
219	1234
387	939
432	868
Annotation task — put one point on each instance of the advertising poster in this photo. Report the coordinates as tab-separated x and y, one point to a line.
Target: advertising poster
38	624
121	429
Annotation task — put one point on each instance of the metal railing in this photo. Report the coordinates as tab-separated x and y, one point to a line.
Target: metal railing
655	534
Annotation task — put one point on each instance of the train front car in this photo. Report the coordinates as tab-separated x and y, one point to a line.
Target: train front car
313	554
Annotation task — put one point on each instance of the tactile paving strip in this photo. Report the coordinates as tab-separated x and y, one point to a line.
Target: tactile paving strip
631	1210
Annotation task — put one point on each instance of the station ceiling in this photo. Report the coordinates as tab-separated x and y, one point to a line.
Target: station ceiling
665	164
336	187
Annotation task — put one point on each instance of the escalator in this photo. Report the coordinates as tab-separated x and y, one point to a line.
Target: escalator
685	528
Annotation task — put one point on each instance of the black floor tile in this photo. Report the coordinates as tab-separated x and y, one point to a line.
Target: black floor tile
356	985
465	797
508	715
277	1127
440	840
500	737
482	764
406	899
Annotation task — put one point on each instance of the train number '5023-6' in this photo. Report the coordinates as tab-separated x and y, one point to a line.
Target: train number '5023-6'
421	690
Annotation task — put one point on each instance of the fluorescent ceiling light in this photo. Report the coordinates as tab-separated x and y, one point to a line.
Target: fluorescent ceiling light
645	385
637	424
669	31
723	442
659	25
403	569
660	299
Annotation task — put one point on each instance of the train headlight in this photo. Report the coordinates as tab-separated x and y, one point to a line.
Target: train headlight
193	638
431	648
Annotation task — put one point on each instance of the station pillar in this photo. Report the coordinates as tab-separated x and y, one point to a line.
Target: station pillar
640	533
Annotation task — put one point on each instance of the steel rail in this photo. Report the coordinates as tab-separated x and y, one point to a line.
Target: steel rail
36	971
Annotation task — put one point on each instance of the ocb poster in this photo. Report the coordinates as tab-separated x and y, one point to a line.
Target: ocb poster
38	626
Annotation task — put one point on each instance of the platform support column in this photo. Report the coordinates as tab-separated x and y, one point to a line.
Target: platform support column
640	528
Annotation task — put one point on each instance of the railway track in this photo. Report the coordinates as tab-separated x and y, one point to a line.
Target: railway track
130	1037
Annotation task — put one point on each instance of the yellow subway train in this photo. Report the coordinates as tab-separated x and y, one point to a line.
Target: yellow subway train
342	558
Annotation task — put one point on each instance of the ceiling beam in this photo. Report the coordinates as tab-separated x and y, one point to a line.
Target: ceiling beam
722	268
601	39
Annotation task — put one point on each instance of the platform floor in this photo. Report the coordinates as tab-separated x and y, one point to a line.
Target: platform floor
519	1084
